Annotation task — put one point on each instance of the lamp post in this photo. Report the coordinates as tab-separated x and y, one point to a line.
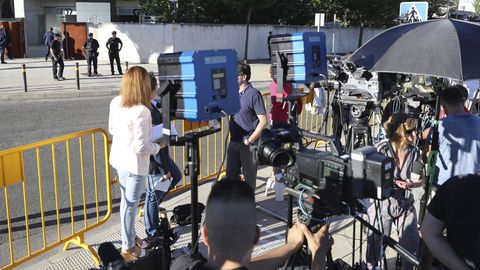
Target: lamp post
174	5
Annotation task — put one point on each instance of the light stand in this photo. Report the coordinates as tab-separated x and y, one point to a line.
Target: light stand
191	142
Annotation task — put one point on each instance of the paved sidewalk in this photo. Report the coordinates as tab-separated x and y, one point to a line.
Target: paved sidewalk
272	232
41	85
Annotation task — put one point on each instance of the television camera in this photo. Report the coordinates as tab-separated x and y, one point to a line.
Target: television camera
323	183
326	183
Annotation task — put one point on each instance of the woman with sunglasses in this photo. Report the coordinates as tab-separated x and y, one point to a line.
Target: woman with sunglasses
399	209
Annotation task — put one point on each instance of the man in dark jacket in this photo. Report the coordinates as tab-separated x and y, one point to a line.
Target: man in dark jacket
3	44
114	45
48	38
57	58
91	47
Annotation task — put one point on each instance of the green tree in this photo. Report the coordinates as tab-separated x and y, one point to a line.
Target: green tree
370	13
160	8
436	6
374	13
476	5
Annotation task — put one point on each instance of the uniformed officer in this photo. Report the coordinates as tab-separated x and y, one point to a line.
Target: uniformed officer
91	50
114	46
57	58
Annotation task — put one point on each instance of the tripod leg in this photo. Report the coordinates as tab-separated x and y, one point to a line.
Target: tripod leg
330	262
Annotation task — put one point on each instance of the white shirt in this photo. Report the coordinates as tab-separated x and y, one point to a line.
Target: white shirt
131	129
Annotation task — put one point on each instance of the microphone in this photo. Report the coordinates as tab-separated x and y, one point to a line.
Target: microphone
417	169
110	257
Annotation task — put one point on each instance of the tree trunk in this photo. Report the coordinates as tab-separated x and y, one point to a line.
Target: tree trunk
245	56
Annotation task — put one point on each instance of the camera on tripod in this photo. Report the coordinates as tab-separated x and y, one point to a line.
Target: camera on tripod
326	183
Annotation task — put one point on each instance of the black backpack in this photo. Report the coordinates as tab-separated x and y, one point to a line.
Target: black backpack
182	214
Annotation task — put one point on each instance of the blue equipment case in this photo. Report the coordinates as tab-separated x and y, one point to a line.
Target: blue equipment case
306	53
208	82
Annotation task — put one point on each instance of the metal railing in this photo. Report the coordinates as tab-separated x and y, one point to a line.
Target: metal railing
53	193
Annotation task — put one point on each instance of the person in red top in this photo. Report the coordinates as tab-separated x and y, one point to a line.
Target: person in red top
279	112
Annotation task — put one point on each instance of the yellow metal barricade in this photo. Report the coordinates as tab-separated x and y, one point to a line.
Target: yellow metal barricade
212	149
53	192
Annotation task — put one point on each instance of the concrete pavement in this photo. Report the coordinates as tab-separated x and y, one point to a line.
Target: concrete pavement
272	232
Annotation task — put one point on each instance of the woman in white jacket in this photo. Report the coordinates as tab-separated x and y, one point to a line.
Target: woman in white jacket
130	124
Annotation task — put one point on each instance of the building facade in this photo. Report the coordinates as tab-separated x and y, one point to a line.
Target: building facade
39	15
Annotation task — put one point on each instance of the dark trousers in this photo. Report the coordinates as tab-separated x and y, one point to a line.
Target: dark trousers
47	52
114	55
54	67
240	160
399	211
2	52
153	197
92	58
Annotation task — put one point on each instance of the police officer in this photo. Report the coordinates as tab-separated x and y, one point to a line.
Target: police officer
57	58
114	45
91	47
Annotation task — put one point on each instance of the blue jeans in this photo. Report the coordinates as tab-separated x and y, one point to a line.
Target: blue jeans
131	187
47	51
153	197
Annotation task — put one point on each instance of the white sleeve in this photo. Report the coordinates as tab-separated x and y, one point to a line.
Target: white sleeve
142	129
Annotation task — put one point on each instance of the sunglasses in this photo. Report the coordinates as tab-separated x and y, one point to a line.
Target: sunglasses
410	131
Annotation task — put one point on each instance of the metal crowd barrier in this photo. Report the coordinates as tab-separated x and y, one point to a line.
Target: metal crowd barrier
211	151
54	191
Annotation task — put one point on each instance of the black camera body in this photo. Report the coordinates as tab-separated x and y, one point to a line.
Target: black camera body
327	183
332	185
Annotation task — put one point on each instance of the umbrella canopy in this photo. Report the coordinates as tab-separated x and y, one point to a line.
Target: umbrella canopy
444	48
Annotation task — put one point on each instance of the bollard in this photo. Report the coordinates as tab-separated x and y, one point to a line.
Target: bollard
24	71
77	71
126	65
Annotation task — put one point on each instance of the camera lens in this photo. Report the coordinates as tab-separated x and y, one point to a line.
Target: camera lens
273	155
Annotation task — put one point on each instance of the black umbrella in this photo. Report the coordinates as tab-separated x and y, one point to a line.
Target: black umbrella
443	48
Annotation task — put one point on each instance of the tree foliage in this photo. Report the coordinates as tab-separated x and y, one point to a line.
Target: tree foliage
370	13
476	5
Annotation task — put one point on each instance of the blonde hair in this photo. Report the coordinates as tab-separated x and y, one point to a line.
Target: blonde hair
135	87
397	128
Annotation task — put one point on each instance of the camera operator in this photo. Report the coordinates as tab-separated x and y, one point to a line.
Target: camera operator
162	168
399	209
245	128
230	233
459	137
455	208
